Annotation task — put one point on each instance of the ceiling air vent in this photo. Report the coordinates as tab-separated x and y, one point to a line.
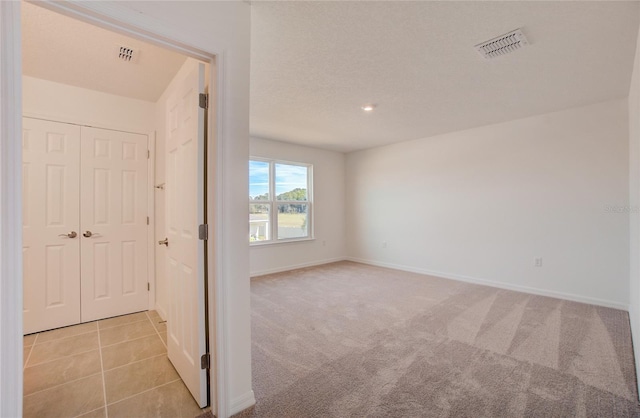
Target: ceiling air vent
502	45
127	54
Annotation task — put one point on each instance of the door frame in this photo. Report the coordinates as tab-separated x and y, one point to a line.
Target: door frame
10	210
120	19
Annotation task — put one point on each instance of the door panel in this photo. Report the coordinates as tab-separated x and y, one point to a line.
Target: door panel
114	223
186	337
51	171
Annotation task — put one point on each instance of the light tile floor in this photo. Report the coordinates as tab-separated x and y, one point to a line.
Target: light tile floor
115	367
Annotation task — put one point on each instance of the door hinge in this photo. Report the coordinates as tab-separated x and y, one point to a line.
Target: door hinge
147	220
148	154
205	361
203	232
148	287
204	100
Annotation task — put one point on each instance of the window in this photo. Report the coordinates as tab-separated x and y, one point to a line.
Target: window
279	201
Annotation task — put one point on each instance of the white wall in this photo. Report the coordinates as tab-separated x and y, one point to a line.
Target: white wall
65	103
481	204
634	202
328	210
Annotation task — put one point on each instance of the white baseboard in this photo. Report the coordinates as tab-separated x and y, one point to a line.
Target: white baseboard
242	402
501	285
161	312
296	266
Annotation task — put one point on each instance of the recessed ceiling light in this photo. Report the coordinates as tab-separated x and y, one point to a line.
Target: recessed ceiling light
368	107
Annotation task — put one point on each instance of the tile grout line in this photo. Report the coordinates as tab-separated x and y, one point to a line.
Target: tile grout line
129	323
137	361
165	355
126	341
145	391
158	333
120	325
93	410
104	384
99	349
37	342
66	337
59	358
24	366
179	379
62	384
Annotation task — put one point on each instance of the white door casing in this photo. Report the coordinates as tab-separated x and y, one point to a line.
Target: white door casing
51	252
186	337
113	219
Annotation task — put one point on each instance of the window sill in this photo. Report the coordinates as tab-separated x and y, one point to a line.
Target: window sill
257	244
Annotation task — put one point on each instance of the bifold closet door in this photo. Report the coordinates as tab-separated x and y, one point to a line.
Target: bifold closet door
113	222
51	221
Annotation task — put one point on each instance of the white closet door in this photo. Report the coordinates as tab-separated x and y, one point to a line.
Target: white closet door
113	223
185	210
51	239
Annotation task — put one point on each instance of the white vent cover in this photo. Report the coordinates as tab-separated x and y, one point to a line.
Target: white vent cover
502	45
127	54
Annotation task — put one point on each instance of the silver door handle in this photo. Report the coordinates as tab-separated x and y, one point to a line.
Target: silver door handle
88	234
71	234
164	242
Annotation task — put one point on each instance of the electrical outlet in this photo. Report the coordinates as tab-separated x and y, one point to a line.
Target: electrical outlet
538	262
384	244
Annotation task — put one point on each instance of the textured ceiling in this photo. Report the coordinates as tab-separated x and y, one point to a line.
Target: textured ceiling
68	51
313	64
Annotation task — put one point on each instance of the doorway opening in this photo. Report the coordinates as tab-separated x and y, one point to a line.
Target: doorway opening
115	158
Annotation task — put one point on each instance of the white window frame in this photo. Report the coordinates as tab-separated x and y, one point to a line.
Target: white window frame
273	203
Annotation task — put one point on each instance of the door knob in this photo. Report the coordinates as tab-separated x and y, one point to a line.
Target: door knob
87	234
71	234
164	242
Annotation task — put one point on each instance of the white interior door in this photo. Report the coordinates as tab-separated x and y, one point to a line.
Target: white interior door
51	239
114	223
185	211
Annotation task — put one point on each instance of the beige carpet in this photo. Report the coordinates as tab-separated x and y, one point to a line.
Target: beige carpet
351	340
